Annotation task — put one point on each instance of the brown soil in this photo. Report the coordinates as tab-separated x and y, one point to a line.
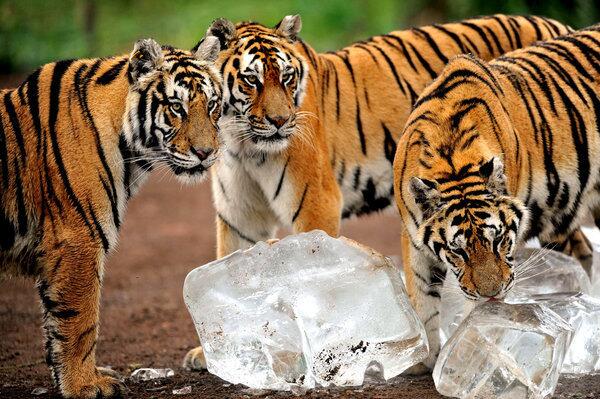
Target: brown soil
169	230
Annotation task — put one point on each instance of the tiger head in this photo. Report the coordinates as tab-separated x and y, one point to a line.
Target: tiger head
471	224
264	79
173	106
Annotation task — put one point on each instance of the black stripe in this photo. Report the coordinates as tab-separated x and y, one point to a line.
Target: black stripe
16	127
3	156
82	87
538	32
7	238
301	203
98	226
23	224
359	127
33	104
280	183
235	230
113	72
55	86
432	44
356	178
389	145
481	34
505	30
88	353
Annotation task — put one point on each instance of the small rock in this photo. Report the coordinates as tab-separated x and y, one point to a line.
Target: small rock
39	391
147	374
182	391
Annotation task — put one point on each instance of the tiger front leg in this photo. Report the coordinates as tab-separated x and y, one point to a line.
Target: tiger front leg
424	279
69	288
317	206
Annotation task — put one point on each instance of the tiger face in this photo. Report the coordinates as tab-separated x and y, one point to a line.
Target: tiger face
264	83
472	225
173	107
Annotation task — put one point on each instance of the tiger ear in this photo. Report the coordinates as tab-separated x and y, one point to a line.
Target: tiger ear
425	193
223	29
289	27
146	57
207	49
493	172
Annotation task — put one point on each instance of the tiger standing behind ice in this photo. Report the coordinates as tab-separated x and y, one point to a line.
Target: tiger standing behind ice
493	154
311	137
76	140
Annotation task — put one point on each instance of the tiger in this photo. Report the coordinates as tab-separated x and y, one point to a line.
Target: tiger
310	137
77	139
495	153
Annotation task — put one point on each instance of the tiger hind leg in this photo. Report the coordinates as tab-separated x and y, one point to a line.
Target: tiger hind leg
69	288
576	245
424	279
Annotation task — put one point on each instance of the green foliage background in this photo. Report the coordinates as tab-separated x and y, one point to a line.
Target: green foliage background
33	32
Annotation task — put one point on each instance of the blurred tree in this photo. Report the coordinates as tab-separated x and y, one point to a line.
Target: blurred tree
33	32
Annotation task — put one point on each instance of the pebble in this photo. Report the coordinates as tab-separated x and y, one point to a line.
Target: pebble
182	391
39	391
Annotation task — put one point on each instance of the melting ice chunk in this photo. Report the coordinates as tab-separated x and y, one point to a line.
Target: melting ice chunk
306	310
582	312
504	351
542	271
538	272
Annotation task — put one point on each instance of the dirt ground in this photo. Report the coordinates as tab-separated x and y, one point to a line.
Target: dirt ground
169	230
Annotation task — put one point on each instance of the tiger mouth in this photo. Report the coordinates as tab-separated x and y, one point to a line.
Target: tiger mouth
181	170
269	139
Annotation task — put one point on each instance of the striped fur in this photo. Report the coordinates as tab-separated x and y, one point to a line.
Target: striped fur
489	147
340	116
76	140
345	111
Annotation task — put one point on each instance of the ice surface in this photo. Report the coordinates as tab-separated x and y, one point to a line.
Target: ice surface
538	272
582	312
504	351
543	271
593	234
306	310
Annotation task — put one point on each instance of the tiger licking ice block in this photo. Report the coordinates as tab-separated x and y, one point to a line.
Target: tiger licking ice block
307	310
538	272
495	153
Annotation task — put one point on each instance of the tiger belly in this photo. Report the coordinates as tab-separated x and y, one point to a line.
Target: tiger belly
366	188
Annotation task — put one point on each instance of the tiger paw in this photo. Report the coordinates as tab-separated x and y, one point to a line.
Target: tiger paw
195	360
104	386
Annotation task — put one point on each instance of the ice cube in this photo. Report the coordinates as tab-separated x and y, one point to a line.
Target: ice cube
307	310
538	272
543	271
504	351
593	234
582	312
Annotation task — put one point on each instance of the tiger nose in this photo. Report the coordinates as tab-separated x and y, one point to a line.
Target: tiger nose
277	121
202	152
